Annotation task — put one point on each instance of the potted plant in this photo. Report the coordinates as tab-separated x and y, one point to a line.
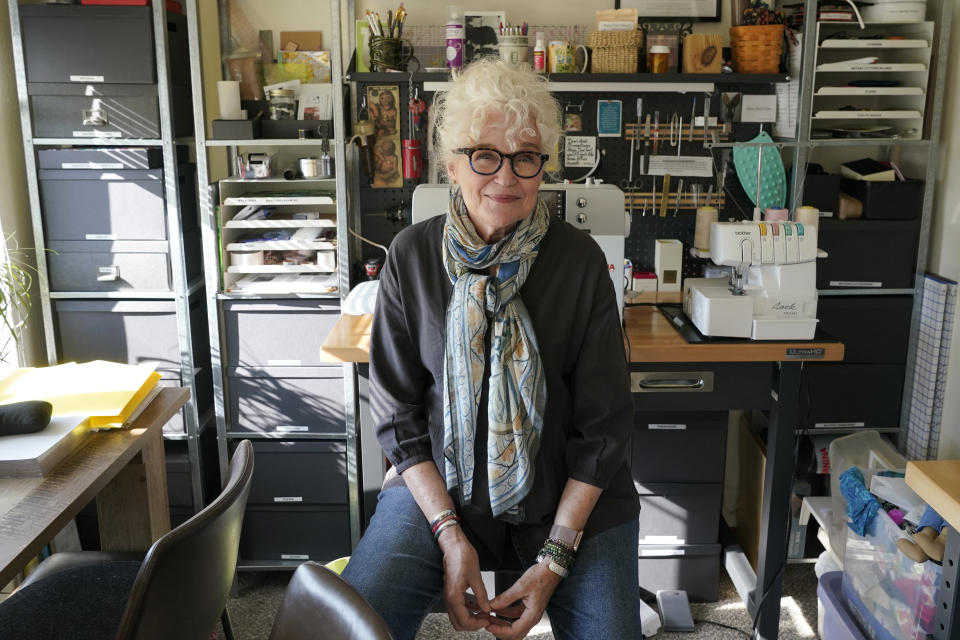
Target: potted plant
16	302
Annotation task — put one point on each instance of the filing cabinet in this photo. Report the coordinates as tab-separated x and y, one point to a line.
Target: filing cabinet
874	254
273	401
678	461
294	534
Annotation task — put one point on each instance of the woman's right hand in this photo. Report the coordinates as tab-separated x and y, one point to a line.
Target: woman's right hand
461	569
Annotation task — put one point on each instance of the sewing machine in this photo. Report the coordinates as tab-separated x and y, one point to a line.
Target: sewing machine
772	292
595	208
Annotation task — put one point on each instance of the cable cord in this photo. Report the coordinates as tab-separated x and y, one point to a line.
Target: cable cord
370	242
745	633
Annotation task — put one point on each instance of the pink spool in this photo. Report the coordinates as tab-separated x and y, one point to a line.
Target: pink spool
776	215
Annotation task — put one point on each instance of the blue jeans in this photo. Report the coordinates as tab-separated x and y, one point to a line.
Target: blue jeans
398	568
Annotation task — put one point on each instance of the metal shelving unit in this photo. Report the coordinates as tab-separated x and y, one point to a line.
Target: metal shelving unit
228	426
181	287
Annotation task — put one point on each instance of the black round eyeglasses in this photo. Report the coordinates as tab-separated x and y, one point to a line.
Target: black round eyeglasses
486	162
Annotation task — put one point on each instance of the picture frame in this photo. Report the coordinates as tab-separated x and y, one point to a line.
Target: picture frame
383	105
481	33
315	102
689	10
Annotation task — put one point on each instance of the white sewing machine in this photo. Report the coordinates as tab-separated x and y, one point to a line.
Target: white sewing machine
595	208
772	294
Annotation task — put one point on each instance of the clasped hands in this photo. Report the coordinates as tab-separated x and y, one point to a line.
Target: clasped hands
508	616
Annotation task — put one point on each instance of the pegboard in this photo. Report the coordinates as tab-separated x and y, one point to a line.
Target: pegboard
385	212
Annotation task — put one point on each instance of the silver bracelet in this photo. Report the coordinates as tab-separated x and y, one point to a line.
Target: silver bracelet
556	568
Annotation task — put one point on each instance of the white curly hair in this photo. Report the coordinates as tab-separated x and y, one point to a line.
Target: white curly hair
493	87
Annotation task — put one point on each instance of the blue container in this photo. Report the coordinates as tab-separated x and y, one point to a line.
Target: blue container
838	624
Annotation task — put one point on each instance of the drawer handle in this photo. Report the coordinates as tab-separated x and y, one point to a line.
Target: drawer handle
95	118
109	273
672	383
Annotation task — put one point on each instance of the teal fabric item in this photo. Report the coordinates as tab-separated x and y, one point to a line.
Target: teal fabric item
862	507
518	388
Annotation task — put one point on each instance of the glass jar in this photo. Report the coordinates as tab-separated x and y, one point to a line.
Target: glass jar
658	59
283	104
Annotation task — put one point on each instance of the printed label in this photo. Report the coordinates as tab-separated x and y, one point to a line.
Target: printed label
96	134
86	78
294	556
287	499
668	427
283	363
662	540
291	429
661	553
813	353
91	165
100	236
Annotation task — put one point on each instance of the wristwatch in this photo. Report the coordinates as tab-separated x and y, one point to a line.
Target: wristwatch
568	536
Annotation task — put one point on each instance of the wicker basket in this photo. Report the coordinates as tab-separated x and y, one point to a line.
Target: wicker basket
757	48
615	51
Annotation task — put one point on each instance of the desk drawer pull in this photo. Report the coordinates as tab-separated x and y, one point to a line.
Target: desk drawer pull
672	383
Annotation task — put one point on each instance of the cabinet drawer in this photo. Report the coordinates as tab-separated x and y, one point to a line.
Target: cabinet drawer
110	205
868	254
113	111
700	386
272	534
691	568
299	473
128	331
287	400
851	395
679	447
872	328
278	333
679	514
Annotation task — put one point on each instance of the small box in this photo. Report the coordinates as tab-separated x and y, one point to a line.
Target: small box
668	264
236	129
886	200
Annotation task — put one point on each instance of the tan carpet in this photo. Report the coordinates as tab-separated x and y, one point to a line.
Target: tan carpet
258	596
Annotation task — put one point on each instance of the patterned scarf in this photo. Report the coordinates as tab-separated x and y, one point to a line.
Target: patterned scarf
518	389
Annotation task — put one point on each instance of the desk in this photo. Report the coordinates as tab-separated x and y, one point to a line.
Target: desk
123	468
650	338
938	483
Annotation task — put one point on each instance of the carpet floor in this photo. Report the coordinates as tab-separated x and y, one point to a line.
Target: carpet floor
258	595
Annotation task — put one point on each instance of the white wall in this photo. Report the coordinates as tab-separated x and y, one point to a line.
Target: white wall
14	207
945	234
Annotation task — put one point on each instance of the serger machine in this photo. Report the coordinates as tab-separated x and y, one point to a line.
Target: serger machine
595	208
772	292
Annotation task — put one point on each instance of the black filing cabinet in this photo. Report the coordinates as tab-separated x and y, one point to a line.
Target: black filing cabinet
284	396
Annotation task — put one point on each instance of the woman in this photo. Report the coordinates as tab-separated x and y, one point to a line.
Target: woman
500	393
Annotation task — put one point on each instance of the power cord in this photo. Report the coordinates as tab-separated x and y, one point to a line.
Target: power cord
725	626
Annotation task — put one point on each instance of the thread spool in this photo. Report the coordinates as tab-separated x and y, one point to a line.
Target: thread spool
807	215
776	214
701	233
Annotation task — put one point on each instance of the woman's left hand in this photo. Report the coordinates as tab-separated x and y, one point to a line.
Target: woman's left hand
533	590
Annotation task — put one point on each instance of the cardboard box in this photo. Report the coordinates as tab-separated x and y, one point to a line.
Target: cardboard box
668	264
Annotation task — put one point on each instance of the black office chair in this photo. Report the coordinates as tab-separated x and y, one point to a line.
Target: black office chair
319	603
179	590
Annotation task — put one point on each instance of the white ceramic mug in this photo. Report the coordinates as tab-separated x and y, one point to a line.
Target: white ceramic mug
513	49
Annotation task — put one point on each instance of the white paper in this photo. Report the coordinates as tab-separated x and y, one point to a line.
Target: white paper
579	151
759	108
687	166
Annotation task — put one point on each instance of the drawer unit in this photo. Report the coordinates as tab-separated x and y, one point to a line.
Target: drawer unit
679	447
111	205
691	568
58	39
299	473
867	254
851	395
277	333
104	159
286	400
272	534
105	111
128	331
679	514
872	328
887	200
699	386
131	265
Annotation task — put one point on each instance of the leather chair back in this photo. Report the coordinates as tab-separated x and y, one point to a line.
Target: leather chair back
319	603
185	579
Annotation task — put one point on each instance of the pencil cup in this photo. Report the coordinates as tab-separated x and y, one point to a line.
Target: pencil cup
513	49
389	53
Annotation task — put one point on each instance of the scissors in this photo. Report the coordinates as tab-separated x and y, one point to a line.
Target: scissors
628	184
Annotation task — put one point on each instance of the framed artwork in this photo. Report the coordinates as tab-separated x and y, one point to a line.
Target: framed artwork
386	163
650	10
382	105
315	103
481	33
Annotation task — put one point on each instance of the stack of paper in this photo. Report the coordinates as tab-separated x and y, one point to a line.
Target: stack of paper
84	396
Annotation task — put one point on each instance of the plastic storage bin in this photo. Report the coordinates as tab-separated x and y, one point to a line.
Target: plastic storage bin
836	622
890	595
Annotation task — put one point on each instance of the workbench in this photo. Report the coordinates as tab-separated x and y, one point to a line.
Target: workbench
937	482
728	374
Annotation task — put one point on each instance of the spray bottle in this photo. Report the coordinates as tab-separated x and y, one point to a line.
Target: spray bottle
539	54
455	33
